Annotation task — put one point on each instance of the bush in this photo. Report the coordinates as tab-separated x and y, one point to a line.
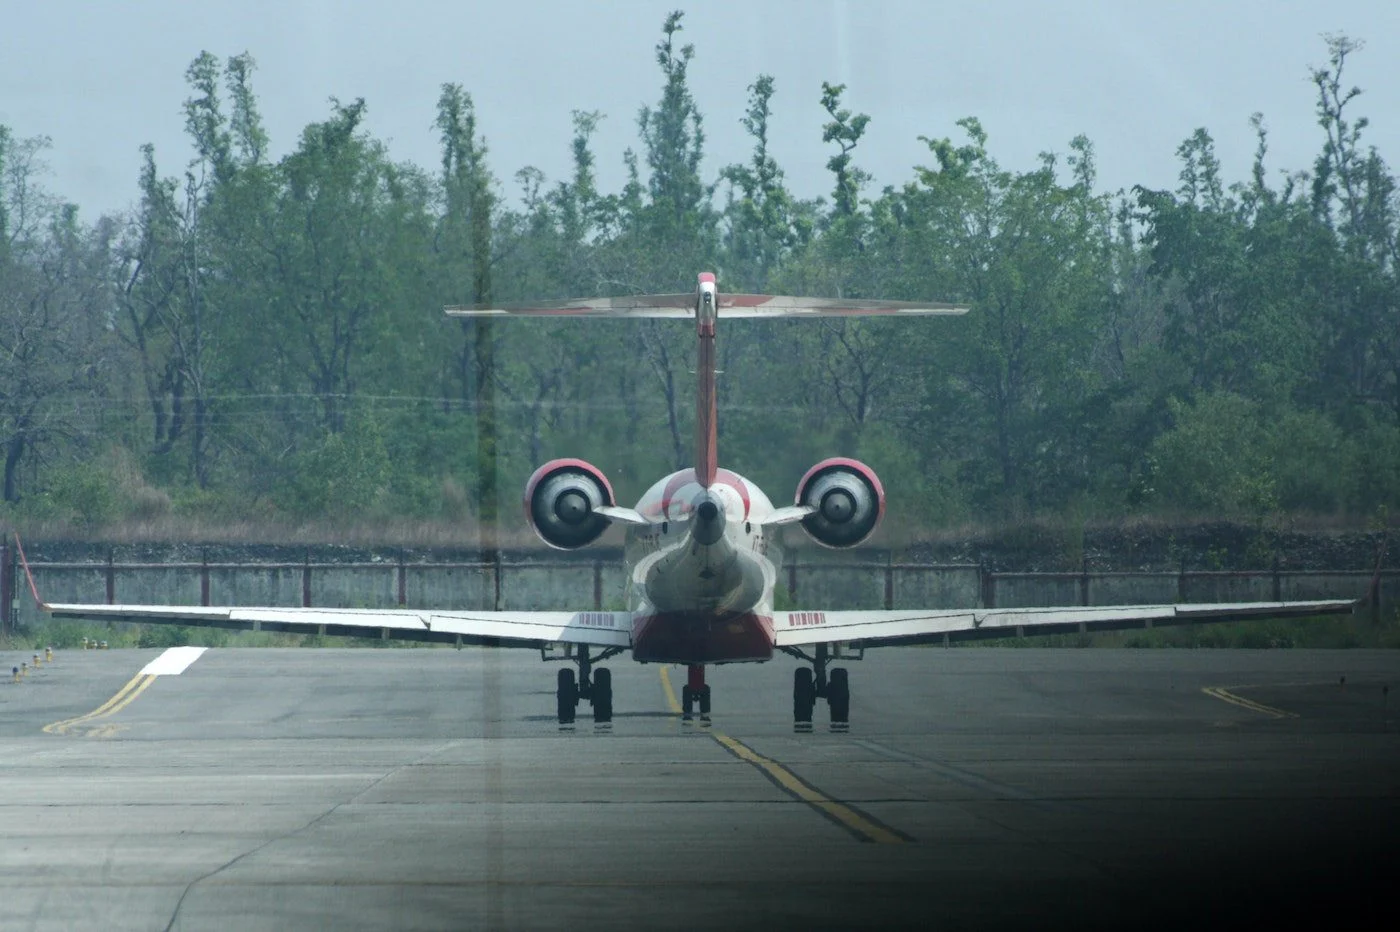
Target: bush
1229	456
345	475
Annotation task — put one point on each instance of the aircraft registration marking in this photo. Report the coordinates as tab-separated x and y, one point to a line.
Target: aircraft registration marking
804	619
863	826
595	620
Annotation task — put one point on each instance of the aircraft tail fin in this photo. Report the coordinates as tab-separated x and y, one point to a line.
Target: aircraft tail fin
706	397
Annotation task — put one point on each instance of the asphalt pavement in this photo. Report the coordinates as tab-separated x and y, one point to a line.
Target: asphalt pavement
375	788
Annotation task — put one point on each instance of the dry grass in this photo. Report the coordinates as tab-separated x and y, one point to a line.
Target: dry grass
461	531
381	533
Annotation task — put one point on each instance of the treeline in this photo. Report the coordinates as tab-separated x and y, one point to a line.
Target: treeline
264	338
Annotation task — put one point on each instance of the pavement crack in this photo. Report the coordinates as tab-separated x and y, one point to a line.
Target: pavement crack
175	914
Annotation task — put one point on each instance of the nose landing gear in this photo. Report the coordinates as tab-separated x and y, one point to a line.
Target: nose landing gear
695	693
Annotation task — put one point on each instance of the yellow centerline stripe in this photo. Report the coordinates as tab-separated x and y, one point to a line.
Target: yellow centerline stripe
124	697
671	699
1224	695
862	826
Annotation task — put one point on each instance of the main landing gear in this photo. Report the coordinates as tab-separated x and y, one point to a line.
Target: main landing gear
593	685
812	683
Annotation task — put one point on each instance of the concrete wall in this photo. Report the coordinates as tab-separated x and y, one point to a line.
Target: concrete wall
585	584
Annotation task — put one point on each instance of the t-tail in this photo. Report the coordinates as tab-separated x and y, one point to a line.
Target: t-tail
705	305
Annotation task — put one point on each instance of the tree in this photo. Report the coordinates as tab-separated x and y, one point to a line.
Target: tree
759	222
1354	196
1029	253
53	305
845	129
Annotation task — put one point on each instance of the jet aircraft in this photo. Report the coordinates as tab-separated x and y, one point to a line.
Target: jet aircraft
701	556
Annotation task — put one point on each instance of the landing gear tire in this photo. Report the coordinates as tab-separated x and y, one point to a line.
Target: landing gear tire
804	696
602	695
838	697
687	703
567	695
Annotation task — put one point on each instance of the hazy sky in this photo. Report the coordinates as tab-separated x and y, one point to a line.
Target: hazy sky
102	78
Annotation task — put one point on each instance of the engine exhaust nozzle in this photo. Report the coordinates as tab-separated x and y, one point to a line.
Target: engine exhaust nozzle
708	520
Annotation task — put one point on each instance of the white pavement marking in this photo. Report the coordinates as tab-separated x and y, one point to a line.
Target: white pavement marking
173	662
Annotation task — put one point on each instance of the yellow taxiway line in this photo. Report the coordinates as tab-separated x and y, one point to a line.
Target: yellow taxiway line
1224	695
857	823
124	697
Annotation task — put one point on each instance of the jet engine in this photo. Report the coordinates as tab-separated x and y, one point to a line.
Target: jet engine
848	499
560	502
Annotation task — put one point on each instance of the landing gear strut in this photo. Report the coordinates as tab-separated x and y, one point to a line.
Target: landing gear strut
695	692
812	683
593	685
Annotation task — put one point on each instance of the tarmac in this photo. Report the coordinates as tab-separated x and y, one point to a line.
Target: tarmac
368	788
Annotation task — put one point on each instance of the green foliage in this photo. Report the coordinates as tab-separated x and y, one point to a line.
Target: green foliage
83	493
163	636
265	336
1228	455
345	475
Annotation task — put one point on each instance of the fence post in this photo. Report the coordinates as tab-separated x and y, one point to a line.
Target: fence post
7	589
1278	584
989	586
111	579
403	581
1083	580
889	582
597	585
204	576
306	581
496	576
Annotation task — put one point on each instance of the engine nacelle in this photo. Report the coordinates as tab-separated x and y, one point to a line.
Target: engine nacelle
849	500
560	499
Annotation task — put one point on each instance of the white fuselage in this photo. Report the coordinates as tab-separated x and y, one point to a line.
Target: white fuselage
700	579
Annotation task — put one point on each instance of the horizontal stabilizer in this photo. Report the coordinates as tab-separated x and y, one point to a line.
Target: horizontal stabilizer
891	628
788	515
622	515
730	306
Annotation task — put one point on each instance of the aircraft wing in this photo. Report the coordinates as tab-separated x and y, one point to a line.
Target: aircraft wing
492	629
892	628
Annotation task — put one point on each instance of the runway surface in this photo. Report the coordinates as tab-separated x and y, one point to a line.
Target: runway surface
433	789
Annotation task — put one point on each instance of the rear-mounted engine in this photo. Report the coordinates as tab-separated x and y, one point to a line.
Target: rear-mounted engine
561	499
848	499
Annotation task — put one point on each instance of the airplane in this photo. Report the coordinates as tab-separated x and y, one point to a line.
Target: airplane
701	556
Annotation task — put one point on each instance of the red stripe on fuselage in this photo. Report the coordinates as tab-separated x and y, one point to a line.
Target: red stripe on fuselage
700	637
686	476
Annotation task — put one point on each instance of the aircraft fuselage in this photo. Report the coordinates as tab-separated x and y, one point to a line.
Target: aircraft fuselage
700	578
